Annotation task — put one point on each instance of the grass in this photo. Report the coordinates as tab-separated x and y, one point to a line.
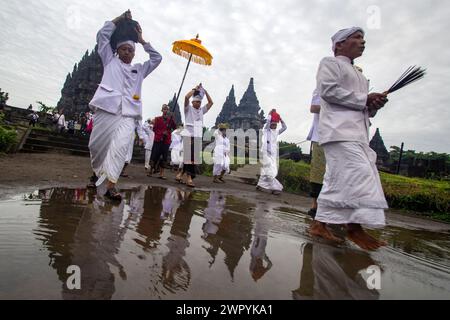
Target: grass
428	197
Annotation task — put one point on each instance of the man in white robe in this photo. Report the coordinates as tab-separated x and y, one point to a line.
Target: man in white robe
270	155
221	154
352	194
117	104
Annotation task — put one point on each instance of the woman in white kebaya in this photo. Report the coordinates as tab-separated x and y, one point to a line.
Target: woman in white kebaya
269	169
221	154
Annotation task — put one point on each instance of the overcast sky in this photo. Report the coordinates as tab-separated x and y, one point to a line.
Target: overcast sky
279	43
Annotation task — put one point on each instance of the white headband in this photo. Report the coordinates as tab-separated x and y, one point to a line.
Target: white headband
129	42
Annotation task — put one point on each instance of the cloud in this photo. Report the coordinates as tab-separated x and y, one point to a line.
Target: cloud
279	43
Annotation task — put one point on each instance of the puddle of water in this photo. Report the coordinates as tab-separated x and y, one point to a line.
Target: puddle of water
175	244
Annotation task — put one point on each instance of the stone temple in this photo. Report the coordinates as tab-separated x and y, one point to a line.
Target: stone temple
248	115
81	84
377	144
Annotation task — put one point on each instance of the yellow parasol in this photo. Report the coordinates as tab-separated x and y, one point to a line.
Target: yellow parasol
193	50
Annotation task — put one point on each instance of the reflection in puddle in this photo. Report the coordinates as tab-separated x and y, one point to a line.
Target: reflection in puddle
176	244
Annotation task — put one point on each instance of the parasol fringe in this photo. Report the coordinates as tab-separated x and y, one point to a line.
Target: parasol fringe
195	58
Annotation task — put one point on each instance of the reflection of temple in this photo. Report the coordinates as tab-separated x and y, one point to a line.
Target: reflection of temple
260	263
233	234
81	84
329	273
245	116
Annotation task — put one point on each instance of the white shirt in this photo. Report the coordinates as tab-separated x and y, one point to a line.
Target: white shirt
270	137
344	115
194	120
222	147
314	132
121	83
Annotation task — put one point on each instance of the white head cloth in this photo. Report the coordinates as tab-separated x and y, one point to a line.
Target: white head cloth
344	34
129	42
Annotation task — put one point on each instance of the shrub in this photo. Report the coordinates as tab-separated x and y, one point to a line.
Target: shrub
8	138
421	195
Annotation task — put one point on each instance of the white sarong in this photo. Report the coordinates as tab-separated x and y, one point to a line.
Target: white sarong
269	172
130	150
352	191
109	144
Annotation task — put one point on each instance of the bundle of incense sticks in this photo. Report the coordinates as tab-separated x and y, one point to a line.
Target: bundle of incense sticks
412	74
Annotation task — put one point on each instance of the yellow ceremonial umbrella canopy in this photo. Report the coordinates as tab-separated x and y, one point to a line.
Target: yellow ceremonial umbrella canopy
193	50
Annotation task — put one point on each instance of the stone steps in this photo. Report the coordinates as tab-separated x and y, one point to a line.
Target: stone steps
40	141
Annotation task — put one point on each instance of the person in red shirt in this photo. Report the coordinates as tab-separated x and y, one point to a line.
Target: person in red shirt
163	127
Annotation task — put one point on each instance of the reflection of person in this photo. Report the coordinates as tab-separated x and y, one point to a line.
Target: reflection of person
170	204
213	213
330	273
221	154
137	200
269	169
117	103
193	133
176	273
352	194
259	244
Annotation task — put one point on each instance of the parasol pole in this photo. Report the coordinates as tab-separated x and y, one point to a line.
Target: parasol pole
182	83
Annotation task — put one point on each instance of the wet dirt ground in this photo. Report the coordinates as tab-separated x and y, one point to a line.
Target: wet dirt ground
165	241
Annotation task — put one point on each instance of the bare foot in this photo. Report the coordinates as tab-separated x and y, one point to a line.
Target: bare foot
361	238
319	229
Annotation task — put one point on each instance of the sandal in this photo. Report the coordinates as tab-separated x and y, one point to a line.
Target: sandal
113	195
162	178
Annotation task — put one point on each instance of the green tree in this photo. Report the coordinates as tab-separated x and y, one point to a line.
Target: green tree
3	97
43	108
